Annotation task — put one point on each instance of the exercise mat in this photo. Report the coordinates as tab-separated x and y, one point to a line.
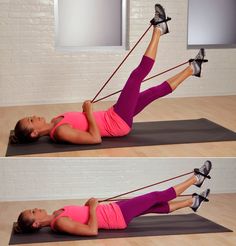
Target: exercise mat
158	225
143	134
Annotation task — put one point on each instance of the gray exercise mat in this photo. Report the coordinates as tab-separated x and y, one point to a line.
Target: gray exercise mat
143	134
158	225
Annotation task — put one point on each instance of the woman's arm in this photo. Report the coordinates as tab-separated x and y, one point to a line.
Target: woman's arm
92	136
92	125
65	224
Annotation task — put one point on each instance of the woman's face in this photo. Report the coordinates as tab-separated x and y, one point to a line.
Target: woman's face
35	214
33	122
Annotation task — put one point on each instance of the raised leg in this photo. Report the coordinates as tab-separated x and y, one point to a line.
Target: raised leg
151	50
138	205
180	188
176	80
175	205
128	98
148	96
168	207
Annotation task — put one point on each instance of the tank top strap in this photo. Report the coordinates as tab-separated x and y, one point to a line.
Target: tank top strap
57	125
57	217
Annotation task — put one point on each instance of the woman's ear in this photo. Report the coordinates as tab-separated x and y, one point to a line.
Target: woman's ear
36	224
34	134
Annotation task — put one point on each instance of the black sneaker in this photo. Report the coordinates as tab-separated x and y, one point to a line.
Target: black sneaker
202	173
160	19
199	199
196	63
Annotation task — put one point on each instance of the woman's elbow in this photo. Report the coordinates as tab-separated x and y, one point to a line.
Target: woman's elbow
97	140
94	232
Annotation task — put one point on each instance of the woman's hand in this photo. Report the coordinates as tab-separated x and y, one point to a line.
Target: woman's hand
87	106
65	224
92	135
92	202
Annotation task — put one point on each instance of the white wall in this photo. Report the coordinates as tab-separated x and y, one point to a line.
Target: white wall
63	178
33	72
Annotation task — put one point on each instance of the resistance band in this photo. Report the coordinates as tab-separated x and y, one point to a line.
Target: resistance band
121	64
167	19
100	99
144	187
184	63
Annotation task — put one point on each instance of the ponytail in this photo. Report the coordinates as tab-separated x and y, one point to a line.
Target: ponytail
16	228
13	139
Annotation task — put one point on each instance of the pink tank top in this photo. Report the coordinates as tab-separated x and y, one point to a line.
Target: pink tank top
109	216
110	124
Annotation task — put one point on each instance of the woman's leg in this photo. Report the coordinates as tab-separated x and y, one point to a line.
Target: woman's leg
180	188
128	98
151	94
175	205
160	208
151	50
176	80
168	207
138	205
159	200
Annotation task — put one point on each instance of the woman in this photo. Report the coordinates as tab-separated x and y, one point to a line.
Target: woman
89	127
86	220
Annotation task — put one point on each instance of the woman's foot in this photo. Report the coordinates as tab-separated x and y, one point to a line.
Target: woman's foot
160	19
202	173
198	199
196	63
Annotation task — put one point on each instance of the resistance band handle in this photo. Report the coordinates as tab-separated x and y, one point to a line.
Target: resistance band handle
159	22
196	171
200	60
204	198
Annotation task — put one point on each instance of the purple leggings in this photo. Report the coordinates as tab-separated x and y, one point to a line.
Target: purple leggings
131	101
153	202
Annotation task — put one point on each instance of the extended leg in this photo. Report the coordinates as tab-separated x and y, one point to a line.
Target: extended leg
194	202
159	202
197	179
175	205
176	80
168	207
148	96
152	94
128	98
180	188
151	50
136	206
